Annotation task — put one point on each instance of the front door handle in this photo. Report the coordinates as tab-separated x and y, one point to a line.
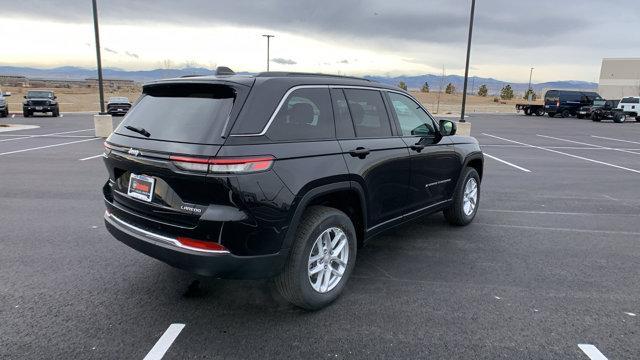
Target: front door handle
360	152
417	147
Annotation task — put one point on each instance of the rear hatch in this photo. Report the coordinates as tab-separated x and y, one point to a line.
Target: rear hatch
157	157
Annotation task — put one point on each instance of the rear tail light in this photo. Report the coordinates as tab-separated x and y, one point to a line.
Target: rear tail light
200	245
239	165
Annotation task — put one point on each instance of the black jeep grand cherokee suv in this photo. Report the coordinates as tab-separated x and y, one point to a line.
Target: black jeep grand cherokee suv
280	175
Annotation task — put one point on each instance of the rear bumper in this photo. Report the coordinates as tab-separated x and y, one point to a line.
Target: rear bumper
220	264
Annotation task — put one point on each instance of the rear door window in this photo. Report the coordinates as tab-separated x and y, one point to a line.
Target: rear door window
368	113
306	114
189	113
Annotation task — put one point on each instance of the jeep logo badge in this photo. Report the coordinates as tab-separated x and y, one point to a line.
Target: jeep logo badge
133	152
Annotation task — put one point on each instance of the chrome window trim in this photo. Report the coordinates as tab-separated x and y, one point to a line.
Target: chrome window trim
286	95
164	239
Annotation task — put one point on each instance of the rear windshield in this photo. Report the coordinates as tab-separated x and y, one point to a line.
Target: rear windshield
189	113
630	100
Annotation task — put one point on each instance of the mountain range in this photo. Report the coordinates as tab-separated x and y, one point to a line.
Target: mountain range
413	82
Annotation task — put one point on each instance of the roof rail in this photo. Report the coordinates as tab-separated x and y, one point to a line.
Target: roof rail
285	73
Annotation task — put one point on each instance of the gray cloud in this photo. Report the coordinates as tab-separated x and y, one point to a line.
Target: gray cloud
110	50
345	61
130	54
283	61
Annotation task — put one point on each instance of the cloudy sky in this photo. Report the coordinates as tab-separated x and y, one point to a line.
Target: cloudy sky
562	39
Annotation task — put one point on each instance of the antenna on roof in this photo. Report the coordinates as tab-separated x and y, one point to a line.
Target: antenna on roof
223	70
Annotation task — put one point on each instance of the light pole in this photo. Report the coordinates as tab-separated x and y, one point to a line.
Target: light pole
466	69
529	88
268	36
97	33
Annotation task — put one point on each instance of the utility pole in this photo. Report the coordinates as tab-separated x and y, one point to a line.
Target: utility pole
268	36
529	95
440	92
466	70
97	33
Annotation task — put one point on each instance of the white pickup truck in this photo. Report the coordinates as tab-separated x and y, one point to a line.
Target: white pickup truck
630	106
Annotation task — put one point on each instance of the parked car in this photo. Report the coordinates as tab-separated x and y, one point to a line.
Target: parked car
118	105
630	106
567	103
4	104
280	175
40	101
600	110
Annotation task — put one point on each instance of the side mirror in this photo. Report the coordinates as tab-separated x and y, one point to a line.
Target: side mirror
447	128
54	97
25	96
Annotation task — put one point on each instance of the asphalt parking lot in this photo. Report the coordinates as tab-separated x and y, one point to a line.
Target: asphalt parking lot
551	261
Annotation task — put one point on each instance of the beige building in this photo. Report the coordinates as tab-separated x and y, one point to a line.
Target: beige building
619	78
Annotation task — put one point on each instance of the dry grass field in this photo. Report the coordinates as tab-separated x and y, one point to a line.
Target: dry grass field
86	99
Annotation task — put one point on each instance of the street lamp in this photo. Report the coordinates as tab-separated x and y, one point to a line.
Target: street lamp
466	69
268	36
97	33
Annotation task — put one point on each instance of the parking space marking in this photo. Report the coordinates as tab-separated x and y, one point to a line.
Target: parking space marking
527	227
592	352
534	212
48	146
43	135
165	341
566	154
506	162
594	145
91	157
550	147
608	138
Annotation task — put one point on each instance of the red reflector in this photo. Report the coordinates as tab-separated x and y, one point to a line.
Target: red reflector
188	159
199	244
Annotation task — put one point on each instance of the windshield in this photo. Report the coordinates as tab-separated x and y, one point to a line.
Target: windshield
599	102
119	99
39	94
189	113
630	100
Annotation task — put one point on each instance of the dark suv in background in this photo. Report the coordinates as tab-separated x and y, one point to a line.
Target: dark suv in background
40	101
280	175
567	103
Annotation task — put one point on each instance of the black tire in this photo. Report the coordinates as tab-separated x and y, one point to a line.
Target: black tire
527	111
595	117
579	116
539	112
55	113
551	114
455	214
294	283
565	114
619	118
4	114
637	118
26	113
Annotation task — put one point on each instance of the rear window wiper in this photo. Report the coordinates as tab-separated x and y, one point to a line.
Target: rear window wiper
141	131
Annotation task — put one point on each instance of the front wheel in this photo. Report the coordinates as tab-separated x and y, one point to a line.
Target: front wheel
565	114
465	200
619	118
539	112
551	114
321	259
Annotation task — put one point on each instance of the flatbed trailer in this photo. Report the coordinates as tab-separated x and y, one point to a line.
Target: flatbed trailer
531	109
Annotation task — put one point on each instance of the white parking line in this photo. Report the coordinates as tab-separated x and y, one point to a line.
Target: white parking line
550	147
592	352
165	341
526	227
608	138
534	212
91	157
48	146
506	162
43	135
566	154
583	143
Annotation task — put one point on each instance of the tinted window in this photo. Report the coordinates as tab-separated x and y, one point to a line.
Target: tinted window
191	113
630	100
413	120
344	125
305	115
368	113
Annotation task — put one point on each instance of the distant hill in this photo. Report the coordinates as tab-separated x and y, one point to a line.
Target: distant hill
413	82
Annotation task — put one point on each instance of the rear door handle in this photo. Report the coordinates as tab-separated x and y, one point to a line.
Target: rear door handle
360	152
417	147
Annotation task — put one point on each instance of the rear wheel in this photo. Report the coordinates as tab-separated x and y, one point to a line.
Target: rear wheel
321	259
539	112
465	200
595	117
551	114
579	116
637	118
565	113
527	111
620	118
